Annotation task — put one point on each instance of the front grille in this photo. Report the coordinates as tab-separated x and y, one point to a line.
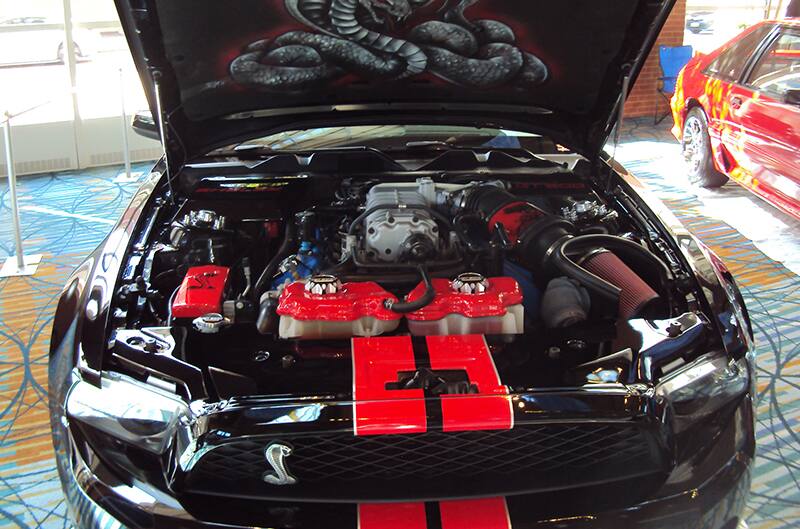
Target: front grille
525	457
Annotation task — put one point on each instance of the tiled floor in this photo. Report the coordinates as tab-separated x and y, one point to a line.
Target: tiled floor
67	215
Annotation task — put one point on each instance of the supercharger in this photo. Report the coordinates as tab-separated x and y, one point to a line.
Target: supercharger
401	223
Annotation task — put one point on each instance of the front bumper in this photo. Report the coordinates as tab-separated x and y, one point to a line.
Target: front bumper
708	491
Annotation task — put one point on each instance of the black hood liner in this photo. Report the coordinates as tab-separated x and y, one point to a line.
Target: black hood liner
292	60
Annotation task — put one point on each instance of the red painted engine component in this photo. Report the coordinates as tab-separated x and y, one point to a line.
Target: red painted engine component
515	217
201	292
352	302
324	309
502	292
458	308
636	295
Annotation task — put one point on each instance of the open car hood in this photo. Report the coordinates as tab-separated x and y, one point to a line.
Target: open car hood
227	70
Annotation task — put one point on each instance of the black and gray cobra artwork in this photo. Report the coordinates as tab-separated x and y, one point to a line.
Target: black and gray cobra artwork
352	37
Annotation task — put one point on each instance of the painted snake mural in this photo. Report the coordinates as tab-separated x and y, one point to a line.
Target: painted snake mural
350	37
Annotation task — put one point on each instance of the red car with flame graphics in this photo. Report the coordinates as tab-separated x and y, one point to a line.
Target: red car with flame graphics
737	114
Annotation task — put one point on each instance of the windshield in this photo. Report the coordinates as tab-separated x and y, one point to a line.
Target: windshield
398	137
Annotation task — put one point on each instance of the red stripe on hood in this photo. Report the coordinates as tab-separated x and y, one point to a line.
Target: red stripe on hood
490	409
487	513
484	513
376	410
380	411
391	516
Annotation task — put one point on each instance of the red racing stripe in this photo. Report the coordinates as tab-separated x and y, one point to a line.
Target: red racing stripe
488	513
391	516
490	409
376	410
484	513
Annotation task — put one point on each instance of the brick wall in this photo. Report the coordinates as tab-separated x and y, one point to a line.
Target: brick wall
644	97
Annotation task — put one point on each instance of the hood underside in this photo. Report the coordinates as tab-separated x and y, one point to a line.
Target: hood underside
229	69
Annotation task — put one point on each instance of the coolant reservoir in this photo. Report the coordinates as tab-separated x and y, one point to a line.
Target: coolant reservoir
323	308
470	304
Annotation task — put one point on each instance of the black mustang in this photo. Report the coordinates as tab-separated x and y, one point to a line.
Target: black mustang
386	276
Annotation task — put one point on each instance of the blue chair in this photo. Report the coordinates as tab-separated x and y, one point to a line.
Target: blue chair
672	59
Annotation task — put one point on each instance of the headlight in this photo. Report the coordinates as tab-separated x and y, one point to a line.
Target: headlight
705	385
127	410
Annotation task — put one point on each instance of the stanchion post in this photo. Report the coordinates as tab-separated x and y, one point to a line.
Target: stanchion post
128	176
19	264
12	193
126	151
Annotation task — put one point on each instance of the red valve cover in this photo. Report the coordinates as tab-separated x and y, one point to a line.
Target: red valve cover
502	293
352	302
201	292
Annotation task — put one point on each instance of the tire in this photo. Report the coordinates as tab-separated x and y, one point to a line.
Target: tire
696	146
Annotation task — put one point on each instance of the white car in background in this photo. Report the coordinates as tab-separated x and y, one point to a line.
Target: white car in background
34	39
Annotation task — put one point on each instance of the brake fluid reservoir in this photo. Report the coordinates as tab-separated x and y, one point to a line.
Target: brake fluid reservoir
470	304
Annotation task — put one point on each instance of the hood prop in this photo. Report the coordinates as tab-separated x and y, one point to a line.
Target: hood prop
162	130
626	82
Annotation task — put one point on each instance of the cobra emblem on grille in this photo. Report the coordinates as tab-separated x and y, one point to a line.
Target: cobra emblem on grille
276	455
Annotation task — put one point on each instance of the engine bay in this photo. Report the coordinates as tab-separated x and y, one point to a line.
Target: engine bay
258	285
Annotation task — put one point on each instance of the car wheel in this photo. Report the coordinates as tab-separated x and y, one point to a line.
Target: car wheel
697	151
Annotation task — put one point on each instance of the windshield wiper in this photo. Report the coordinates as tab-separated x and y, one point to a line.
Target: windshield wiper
434	145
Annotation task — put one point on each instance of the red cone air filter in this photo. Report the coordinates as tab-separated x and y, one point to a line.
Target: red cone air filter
635	295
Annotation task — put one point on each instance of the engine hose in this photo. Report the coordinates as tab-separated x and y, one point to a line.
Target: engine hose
283	252
461	231
625	246
403	307
267	320
566	266
569	268
636	252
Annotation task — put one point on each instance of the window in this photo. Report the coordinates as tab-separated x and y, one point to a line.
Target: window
778	70
32	75
108	67
394	137
32	56
710	24
82	127
731	63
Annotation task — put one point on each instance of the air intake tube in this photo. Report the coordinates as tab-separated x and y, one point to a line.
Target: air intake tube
548	246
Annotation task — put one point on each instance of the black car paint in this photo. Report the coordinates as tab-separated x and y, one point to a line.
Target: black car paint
714	459
196	128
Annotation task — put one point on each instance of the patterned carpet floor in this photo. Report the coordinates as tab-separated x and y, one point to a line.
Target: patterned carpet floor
66	215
